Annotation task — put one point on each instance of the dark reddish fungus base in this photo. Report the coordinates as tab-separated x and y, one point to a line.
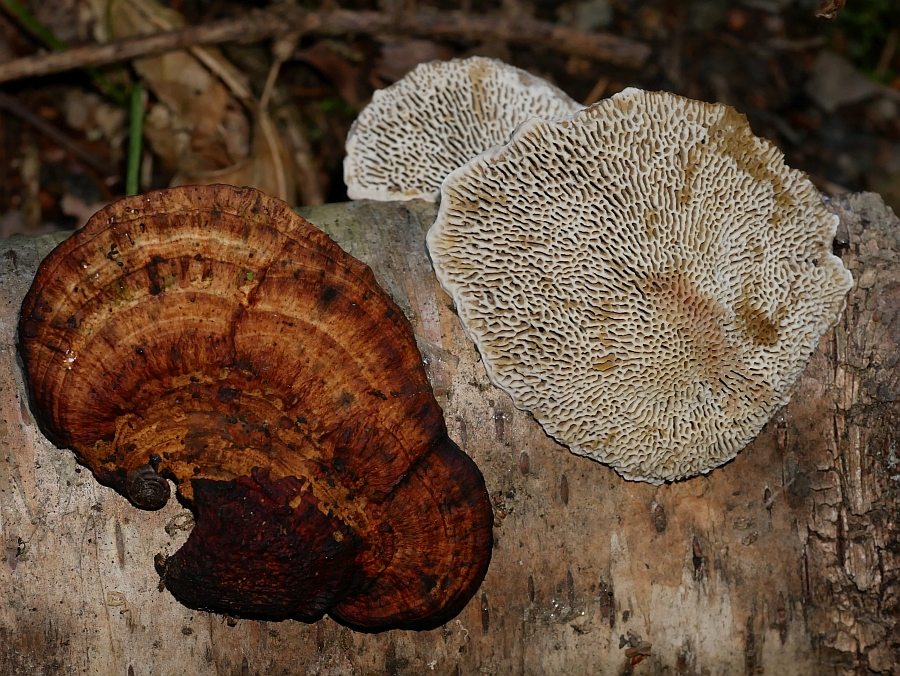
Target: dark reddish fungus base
272	560
210	336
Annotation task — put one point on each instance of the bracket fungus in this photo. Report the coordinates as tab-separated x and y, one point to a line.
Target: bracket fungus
646	277
210	336
437	118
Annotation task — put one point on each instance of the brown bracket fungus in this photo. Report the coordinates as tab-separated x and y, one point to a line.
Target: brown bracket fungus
210	336
437	118
646	277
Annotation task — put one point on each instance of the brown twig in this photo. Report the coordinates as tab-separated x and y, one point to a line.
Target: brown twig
266	24
11	105
281	51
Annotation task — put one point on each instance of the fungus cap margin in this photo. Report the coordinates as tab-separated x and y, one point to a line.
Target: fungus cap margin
700	283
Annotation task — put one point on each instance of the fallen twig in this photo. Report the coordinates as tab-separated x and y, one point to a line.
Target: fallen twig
260	25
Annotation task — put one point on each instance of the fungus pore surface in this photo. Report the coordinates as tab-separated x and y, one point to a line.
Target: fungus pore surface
210	336
646	277
437	118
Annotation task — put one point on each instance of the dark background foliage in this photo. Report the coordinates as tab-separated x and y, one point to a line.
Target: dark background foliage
826	91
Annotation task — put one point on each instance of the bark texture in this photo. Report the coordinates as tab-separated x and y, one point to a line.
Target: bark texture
785	561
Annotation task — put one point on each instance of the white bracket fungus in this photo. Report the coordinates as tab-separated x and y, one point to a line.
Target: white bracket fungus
646	276
437	118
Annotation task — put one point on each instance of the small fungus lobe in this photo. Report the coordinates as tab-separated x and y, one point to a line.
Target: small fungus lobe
645	276
436	119
230	347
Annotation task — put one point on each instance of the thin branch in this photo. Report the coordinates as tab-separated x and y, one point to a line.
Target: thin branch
124	50
261	25
281	51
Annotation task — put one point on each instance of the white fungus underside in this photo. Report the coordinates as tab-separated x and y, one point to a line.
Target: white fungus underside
649	293
437	118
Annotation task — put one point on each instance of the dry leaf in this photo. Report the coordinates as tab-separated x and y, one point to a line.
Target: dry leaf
335	63
183	127
89	113
830	8
268	168
206	126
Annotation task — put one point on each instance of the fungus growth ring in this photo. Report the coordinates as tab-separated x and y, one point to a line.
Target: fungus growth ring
210	336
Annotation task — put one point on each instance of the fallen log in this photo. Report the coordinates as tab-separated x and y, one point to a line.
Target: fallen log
784	561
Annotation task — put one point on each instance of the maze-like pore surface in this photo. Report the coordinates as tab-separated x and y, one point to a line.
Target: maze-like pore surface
646	277
437	118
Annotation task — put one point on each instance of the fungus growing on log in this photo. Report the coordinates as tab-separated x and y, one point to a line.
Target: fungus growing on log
436	119
646	277
210	336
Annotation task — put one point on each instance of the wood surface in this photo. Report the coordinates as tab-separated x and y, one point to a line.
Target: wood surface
784	561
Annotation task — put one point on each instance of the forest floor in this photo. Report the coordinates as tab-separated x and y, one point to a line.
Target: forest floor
825	91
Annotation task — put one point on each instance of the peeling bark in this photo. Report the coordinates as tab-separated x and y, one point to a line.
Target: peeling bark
784	561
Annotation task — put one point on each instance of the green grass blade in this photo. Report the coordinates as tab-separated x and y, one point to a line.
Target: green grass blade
136	129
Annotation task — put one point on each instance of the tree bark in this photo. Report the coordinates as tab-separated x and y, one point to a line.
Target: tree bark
784	561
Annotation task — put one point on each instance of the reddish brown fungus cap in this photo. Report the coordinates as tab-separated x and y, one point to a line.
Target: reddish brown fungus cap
210	336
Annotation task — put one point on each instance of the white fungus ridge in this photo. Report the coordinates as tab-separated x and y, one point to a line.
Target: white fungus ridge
646	277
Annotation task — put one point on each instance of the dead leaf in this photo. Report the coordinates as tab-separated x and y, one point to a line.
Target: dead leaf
834	82
336	65
206	126
637	653
284	111
830	8
89	113
268	168
183	128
